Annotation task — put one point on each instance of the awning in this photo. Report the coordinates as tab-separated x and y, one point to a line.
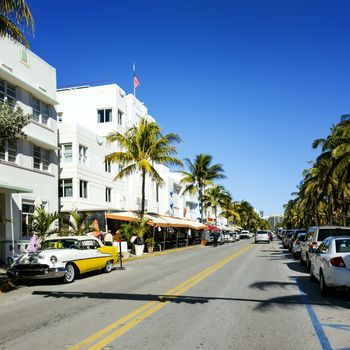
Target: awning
157	220
15	188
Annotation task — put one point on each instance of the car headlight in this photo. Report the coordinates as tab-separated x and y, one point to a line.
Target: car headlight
53	259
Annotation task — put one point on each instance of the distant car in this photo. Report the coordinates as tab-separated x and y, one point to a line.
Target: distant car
262	236
293	238
65	257
286	238
330	264
245	234
314	236
296	247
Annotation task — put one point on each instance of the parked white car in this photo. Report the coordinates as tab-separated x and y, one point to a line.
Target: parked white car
330	264
65	257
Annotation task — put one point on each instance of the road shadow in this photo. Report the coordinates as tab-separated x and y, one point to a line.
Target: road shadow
308	293
304	286
177	299
296	266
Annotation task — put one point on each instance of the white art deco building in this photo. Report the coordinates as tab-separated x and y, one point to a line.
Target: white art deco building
86	115
28	167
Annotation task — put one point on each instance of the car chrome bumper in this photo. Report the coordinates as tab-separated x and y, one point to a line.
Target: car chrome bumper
37	274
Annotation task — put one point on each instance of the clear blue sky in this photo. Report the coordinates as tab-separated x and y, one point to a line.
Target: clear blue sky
252	83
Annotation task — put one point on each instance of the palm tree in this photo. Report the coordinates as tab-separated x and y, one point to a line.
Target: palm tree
42	224
143	145
229	210
15	15
201	174
77	224
214	197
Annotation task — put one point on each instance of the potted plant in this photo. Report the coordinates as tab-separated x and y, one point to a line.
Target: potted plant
150	244
140	228
126	231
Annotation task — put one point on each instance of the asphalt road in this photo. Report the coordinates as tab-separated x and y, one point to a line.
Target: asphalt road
237	296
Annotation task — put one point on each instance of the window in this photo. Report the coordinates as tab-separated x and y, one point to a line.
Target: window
41	111
24	57
108	194
7	92
9	152
66	153
157	193
120	117
66	188
108	166
41	158
82	154
28	208
59	117
83	189
104	115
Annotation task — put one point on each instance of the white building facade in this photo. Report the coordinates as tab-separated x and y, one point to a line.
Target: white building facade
86	116
28	167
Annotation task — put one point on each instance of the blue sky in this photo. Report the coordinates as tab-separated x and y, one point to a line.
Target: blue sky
252	83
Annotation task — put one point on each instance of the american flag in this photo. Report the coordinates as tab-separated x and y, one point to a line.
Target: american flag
136	81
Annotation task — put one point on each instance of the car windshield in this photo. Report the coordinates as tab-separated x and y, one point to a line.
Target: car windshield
61	244
261	233
327	232
342	245
301	237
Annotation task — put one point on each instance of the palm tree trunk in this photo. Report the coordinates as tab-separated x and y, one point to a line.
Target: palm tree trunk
201	201
143	193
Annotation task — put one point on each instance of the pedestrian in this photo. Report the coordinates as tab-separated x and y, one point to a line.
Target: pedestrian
216	236
108	239
33	243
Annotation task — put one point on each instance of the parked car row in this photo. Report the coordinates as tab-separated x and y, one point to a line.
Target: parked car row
222	237
325	251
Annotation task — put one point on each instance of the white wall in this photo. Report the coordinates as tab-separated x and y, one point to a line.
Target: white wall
35	79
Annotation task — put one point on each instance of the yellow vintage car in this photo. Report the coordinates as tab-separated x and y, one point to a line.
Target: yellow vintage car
65	257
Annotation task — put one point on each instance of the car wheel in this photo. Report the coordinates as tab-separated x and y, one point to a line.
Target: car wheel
70	273
312	276
308	264
108	267
324	289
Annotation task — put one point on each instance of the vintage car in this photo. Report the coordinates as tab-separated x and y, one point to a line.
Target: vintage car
65	257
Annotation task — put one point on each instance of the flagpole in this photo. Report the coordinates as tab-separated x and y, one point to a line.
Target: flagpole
133	68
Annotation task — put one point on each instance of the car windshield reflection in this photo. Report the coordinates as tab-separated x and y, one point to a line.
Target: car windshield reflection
61	244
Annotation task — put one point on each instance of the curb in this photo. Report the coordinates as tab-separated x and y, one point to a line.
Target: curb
164	252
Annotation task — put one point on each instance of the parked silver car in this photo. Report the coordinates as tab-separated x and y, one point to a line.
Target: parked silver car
296	248
315	235
330	264
262	236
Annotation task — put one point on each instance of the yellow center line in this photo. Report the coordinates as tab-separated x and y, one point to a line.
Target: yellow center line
134	318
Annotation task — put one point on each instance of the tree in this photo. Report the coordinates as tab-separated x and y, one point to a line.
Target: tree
214	198
201	174
143	145
12	121
15	16
42	224
229	210
77	224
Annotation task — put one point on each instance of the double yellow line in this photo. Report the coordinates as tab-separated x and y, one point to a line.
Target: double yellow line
118	328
